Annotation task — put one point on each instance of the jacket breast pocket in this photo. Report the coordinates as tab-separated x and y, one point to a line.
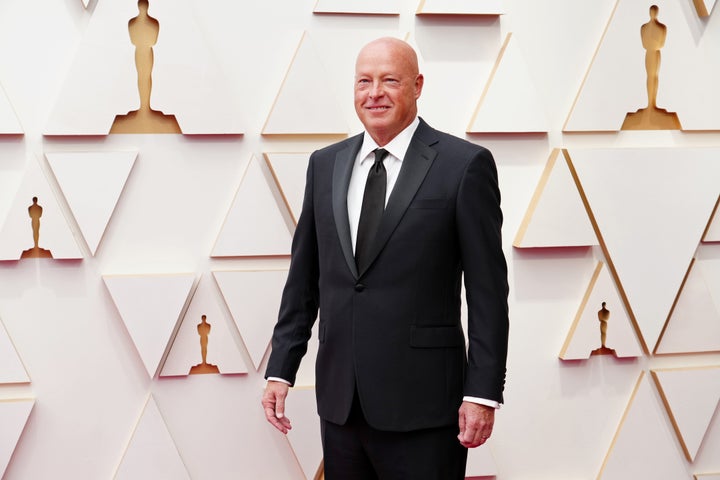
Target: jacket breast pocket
436	336
427	203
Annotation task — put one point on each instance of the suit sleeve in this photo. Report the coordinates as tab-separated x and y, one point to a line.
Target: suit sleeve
300	298
479	221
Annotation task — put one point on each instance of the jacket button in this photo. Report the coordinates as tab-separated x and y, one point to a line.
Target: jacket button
359	287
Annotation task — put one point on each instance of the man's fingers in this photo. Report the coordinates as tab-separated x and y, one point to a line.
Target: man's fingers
476	424
273	402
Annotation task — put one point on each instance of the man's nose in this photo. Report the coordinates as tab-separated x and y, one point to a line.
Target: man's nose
376	89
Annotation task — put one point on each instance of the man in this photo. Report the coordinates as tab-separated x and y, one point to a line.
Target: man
393	383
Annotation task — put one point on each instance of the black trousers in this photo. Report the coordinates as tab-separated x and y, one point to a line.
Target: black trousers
356	451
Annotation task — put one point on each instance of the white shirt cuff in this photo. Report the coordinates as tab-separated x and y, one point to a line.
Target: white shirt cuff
278	379
481	401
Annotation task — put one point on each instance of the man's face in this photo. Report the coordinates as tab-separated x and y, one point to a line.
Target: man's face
387	87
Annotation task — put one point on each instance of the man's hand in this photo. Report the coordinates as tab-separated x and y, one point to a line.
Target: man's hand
476	424
273	402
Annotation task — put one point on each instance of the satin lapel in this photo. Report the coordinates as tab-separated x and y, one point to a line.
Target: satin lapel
342	171
415	165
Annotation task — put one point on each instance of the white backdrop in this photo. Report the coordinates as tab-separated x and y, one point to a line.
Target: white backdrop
89	382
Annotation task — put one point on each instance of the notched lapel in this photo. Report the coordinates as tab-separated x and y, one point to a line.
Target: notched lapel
342	171
418	159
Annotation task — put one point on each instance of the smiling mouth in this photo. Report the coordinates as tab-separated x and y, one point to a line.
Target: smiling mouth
377	109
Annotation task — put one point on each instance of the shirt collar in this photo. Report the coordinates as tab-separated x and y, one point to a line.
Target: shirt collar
397	147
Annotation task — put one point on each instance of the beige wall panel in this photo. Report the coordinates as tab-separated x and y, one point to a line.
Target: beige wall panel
289	171
510	101
651	219
222	347
383	7
253	298
255	224
306	104
12	369
644	445
704	7
556	216
461	7
101	82
694	325
91	183
151	452
691	397
17	235
304	437
150	307
585	337
713	232
9	122
616	80
13	416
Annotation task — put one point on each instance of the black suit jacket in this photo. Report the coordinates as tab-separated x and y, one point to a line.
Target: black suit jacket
393	331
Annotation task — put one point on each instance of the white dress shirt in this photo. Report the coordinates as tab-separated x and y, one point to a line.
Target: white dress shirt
393	161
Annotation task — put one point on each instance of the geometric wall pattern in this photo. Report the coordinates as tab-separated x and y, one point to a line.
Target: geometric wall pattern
510	101
253	298
289	170
658	230
9	123
556	216
92	183
615	83
17	233
694	324
643	446
67	69
221	349
304	437
12	369
691	397
150	307
151	452
585	337
13	416
254	225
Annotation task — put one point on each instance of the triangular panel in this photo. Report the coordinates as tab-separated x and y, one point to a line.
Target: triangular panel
650	206
368	7
12	369
305	437
44	217
187	80
585	336
707	476
460	7
253	298
713	231
151	453
704	7
615	84
92	183
254	226
150	306
556	216
289	171
304	91
643	446
102	80
9	123
221	348
480	462
694	325
510	102
691	397
13	417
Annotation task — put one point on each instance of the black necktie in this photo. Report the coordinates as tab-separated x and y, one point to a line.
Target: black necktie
373	205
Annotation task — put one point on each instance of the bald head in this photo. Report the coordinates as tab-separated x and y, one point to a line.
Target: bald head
387	86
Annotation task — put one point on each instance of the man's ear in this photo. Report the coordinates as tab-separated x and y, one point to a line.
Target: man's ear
419	82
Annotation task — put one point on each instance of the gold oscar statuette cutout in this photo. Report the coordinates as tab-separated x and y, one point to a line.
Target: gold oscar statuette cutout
203	329
603	317
35	211
653	34
144	31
